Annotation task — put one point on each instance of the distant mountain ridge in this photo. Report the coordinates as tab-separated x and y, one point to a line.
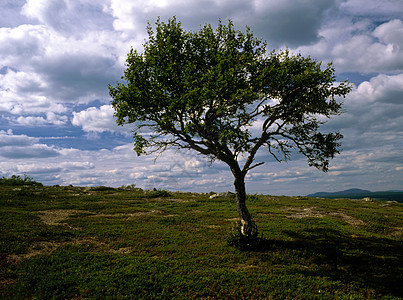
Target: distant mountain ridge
359	194
340	193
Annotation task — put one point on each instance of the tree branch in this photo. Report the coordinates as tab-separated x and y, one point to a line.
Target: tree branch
254	166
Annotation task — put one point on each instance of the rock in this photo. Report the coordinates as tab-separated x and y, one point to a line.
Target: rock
224	194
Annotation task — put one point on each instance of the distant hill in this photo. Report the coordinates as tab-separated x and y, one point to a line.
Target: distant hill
359	194
340	193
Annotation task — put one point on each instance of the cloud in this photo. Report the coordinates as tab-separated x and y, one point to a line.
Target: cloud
62	68
32	151
98	120
373	114
22	146
373	8
51	118
69	17
25	93
387	89
43	70
290	22
8	139
357	47
279	22
10	13
22	44
391	33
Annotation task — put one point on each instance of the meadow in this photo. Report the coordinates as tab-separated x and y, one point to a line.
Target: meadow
66	242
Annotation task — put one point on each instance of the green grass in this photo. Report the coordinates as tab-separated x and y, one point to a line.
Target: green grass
82	243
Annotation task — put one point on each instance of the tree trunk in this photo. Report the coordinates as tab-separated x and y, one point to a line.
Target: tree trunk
246	220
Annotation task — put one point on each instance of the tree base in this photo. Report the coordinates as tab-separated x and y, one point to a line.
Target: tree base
244	241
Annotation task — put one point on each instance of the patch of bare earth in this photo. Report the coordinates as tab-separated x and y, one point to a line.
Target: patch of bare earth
174	200
56	216
128	215
308	212
312	212
349	219
243	267
232	219
397	232
125	250
212	226
44	247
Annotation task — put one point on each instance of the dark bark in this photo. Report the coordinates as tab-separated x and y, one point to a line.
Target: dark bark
246	220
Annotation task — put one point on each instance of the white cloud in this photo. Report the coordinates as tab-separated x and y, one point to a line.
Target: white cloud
98	120
65	69
51	118
20	45
356	47
289	22
31	151
391	33
373	8
280	22
23	147
69	16
44	70
8	139
10	13
25	93
373	117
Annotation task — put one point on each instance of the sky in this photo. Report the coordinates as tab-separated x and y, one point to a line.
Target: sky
57	58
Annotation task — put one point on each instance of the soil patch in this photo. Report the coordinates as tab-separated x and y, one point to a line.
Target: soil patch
54	217
311	212
128	215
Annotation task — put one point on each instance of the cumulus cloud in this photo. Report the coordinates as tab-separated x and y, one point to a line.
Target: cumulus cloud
373	8
43	70
280	22
373	114
24	93
50	119
22	146
288	22
356	47
69	17
10	13
19	46
98	120
64	69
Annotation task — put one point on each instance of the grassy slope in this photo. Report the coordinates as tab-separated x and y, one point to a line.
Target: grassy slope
71	242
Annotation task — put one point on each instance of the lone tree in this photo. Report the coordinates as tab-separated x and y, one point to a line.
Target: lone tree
220	92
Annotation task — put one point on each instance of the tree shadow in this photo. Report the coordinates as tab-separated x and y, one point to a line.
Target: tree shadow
376	263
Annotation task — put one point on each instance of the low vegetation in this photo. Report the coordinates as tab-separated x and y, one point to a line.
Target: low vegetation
18	180
92	243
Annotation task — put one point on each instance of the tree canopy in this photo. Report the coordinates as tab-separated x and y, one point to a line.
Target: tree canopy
221	93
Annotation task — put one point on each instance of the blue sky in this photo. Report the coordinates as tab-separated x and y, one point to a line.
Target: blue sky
57	58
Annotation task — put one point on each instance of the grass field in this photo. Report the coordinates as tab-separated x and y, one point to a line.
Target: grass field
100	243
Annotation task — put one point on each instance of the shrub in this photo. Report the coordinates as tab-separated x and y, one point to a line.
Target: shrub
17	180
158	194
130	187
102	188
